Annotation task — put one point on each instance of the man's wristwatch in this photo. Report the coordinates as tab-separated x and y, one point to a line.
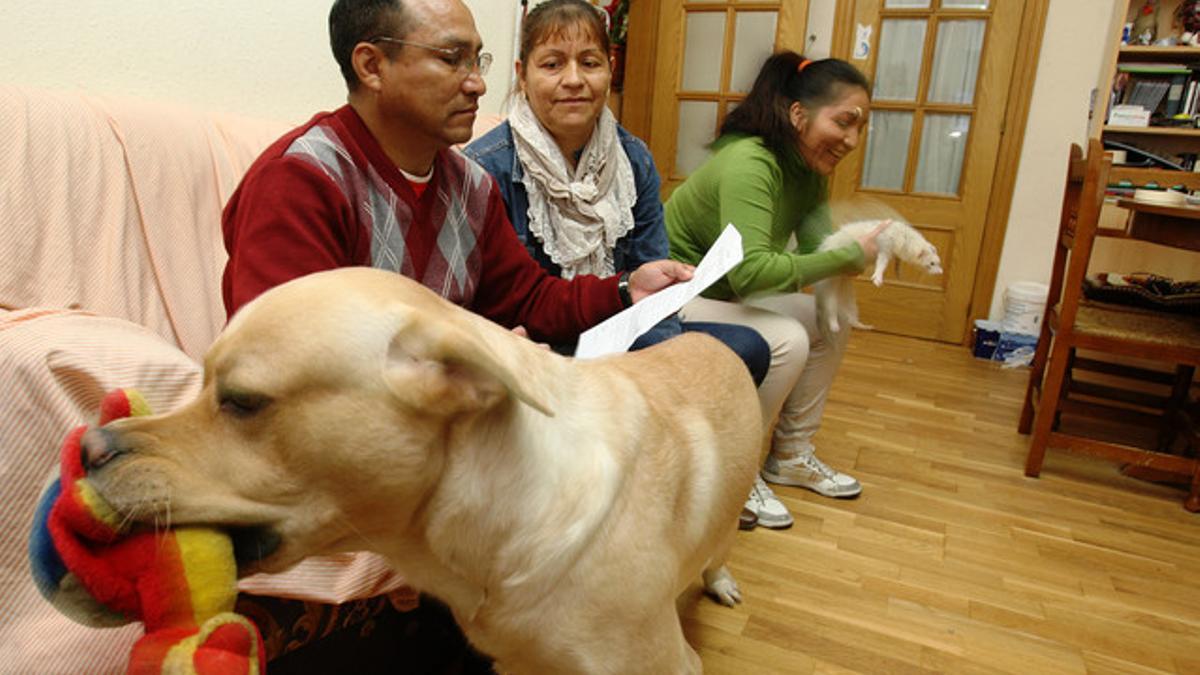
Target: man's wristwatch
623	289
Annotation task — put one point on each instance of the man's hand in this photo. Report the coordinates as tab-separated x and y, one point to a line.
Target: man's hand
657	275
520	331
867	241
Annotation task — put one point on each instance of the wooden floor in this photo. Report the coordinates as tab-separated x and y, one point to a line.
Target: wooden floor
952	560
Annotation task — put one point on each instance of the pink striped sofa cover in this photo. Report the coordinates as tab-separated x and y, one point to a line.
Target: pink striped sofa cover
110	277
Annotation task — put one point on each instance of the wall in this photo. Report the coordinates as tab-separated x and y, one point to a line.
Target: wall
264	58
1073	53
270	58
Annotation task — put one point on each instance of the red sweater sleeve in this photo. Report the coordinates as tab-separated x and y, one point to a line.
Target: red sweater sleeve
514	290
287	219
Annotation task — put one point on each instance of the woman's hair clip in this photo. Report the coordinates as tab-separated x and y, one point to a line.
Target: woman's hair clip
802	65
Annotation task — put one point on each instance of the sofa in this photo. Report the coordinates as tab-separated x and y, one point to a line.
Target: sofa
112	258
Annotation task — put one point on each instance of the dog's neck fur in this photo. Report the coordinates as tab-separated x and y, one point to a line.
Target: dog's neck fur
523	448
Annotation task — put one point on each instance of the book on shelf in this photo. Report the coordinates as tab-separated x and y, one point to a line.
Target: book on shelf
1151	68
1168	92
1147	94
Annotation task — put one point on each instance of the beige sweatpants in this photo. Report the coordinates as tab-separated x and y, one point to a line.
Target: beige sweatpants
803	364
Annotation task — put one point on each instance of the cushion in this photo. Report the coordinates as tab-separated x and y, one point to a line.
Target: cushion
1149	291
56	366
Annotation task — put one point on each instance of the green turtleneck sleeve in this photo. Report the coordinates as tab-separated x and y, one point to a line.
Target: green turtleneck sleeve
744	184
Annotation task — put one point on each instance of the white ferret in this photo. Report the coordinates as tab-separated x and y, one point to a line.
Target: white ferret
835	295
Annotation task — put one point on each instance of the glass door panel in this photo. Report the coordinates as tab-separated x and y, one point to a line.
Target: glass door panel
898	69
964	4
697	125
906	4
709	53
886	157
753	42
943	146
956	61
701	61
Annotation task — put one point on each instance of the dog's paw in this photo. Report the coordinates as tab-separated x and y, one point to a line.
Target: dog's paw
721	585
726	592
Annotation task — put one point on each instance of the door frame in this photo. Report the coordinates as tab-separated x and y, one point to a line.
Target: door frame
1012	140
641	50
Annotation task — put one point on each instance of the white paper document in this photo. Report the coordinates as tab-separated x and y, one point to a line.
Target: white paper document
618	332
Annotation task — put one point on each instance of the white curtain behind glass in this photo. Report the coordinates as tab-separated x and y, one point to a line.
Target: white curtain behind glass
897	76
943	146
956	61
944	137
887	150
898	68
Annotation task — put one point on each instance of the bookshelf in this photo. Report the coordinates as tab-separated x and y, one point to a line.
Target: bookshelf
1127	255
1166	77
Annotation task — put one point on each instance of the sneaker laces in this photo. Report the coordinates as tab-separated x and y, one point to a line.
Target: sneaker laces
814	463
761	492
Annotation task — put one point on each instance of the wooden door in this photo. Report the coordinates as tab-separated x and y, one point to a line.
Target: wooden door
706	57
941	73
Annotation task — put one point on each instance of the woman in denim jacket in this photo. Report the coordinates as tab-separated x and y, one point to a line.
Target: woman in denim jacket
581	191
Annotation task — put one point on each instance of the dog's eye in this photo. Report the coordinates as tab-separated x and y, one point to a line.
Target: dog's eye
241	404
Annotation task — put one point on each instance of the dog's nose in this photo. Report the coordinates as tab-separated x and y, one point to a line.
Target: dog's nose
97	448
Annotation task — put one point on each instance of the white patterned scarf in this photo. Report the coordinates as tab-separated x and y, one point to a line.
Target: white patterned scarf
578	218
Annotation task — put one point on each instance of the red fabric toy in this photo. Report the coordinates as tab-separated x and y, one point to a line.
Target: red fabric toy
181	583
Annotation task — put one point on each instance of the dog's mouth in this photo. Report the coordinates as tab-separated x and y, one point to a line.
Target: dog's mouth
254	543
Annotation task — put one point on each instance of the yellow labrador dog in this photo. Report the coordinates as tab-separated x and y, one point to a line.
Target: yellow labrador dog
557	506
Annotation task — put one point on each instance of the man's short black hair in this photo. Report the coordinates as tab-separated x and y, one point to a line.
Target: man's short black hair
355	21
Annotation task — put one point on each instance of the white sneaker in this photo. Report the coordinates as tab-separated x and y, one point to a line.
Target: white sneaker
770	511
807	471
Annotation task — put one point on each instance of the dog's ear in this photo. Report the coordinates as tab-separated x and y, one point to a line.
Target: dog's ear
447	367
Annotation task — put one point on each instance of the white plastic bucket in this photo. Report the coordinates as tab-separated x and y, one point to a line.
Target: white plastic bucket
1024	305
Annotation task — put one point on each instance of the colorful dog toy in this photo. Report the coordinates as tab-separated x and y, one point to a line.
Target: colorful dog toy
181	583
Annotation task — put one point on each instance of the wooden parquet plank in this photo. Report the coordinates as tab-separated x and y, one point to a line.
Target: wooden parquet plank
952	561
838	642
1005	650
1103	664
1180	594
1076	553
1189	663
1119	639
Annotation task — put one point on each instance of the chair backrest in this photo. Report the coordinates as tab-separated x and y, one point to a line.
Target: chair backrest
1083	197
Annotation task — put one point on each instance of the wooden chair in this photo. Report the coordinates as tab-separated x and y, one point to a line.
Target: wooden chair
1071	322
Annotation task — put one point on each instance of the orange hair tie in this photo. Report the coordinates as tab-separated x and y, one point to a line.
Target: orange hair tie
803	64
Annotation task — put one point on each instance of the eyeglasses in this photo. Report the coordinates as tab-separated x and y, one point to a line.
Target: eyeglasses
457	58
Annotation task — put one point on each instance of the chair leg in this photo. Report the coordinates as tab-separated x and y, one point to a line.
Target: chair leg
1047	411
1176	404
1192	503
1068	383
1189	415
1035	378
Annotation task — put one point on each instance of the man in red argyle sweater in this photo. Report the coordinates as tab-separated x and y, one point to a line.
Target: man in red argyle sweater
376	183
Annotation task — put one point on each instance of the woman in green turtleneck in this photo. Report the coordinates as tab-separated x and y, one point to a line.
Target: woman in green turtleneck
767	175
